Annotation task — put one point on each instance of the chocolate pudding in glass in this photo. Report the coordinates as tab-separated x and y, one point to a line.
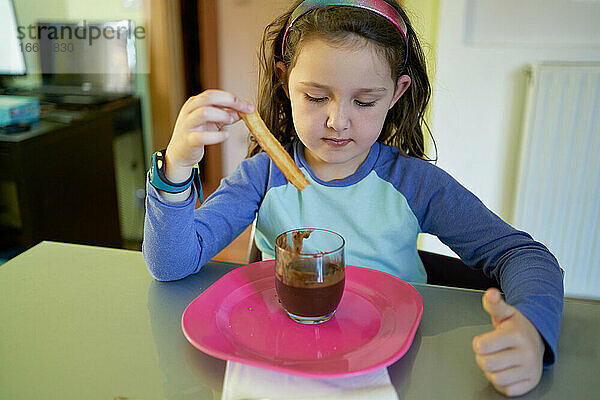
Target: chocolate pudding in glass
309	273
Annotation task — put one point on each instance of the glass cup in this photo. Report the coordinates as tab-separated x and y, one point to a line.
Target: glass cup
309	273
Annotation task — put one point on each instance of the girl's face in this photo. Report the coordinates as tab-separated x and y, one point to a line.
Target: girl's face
340	97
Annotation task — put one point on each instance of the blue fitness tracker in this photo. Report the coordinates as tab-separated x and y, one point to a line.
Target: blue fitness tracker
160	181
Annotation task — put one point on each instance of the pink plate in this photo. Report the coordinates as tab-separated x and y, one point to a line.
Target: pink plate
239	318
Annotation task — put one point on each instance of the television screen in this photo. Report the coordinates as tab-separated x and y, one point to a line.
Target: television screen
94	56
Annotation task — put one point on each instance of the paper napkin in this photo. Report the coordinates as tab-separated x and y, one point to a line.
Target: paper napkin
244	381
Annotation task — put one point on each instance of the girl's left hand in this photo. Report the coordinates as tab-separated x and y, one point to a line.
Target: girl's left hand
511	355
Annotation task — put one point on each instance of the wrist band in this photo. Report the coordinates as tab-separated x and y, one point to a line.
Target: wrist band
159	180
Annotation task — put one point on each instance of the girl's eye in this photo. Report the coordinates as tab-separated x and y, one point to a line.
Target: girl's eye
315	99
365	104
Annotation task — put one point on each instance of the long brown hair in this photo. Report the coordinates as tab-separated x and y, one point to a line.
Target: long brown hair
403	126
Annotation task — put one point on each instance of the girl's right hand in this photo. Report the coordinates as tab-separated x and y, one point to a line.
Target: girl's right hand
199	123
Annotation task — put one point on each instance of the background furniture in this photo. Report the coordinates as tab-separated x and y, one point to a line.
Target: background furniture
88	322
64	173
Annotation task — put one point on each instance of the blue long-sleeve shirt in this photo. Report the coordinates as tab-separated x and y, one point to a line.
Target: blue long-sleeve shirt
379	210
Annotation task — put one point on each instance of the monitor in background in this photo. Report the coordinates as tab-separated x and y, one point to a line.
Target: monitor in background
12	59
93	58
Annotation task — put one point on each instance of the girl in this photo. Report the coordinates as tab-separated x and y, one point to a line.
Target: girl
343	86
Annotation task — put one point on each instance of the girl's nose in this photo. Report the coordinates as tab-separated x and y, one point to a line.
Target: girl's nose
337	117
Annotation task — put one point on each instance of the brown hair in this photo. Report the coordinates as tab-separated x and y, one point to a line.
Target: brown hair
339	25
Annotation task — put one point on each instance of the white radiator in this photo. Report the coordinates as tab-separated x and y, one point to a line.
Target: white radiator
558	192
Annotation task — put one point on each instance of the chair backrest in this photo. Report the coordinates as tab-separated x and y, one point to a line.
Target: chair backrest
449	271
441	270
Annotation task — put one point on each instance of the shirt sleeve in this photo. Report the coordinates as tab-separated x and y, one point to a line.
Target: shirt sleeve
529	274
179	239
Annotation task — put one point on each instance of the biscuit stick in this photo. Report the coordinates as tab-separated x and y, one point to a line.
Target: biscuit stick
274	149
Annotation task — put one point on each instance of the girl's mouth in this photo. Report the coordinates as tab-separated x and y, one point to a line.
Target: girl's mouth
336	142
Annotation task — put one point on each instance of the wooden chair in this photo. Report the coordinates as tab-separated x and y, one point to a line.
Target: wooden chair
441	270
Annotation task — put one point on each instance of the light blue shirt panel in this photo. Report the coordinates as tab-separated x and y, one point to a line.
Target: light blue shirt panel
374	218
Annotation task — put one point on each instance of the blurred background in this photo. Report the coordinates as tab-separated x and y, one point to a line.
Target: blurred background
514	112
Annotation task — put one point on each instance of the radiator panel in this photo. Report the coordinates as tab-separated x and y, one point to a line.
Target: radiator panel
558	192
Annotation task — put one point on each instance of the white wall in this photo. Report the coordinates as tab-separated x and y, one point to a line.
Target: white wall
478	99
241	24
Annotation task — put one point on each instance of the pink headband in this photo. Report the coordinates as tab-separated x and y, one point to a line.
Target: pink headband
380	7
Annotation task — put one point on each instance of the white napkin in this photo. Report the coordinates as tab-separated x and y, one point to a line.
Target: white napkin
244	381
